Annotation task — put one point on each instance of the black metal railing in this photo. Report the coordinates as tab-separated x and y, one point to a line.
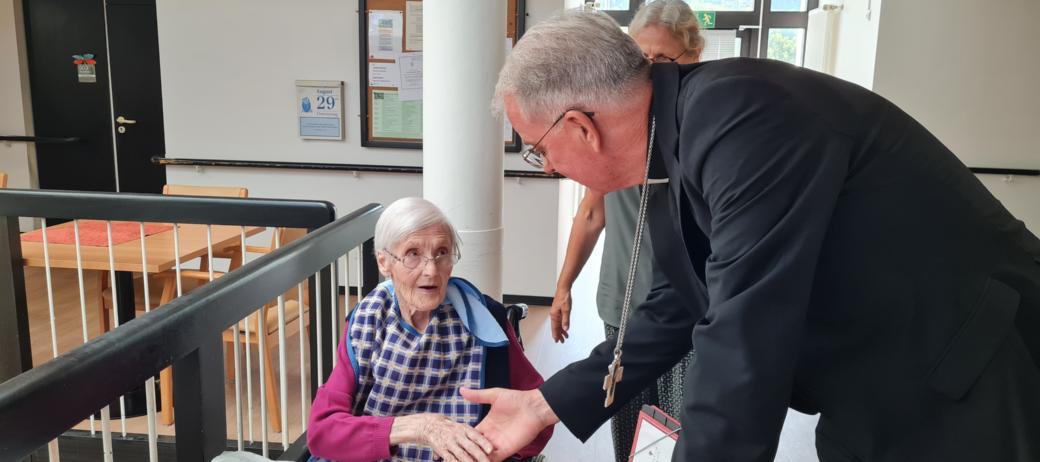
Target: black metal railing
41	403
360	168
39	139
1005	171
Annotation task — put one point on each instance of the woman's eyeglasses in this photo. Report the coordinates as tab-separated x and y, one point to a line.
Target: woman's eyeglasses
413	260
665	59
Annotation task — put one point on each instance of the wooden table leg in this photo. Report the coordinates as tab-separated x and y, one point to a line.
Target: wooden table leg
166	376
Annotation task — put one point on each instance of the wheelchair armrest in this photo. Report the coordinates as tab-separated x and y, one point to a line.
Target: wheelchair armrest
514	313
297	451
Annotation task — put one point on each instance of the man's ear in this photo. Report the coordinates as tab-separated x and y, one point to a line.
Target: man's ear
584	128
383	262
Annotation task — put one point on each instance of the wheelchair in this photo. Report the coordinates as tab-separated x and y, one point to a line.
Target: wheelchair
298	452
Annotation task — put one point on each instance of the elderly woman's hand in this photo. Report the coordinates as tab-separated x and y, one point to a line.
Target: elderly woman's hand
450	440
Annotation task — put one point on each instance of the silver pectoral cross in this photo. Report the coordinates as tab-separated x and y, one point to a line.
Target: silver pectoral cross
614	372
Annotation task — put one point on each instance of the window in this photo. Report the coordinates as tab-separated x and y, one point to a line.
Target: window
788	5
772	29
722	5
614	5
786	45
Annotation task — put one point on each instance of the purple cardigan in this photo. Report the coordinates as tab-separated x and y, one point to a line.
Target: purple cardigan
335	433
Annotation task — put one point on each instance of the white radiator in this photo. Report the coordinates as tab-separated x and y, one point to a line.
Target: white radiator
821	38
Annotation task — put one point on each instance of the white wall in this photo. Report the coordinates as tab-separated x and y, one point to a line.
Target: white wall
15	109
969	73
856	41
228	70
16	159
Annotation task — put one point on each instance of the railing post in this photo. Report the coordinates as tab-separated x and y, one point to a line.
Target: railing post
328	352
15	347
328	322
198	385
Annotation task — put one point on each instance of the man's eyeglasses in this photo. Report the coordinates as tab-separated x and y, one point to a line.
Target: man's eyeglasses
413	260
665	59
534	156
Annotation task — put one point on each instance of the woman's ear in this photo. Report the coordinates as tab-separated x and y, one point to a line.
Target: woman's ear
384	264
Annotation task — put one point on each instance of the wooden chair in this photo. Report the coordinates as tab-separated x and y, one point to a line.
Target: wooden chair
230	252
268	324
167	280
213	191
190	279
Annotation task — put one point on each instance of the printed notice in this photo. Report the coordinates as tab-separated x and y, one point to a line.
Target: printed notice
383	75
413	26
384	34
393	118
410	66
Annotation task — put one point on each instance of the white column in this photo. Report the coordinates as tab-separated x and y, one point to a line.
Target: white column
463	145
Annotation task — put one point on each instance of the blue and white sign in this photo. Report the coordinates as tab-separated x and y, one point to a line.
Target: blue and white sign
319	107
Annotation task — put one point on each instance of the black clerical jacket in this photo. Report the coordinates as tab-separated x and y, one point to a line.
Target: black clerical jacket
822	251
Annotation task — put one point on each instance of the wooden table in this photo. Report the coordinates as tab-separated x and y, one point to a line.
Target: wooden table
127	256
126	260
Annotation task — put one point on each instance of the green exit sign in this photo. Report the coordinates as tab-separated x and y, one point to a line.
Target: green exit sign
707	19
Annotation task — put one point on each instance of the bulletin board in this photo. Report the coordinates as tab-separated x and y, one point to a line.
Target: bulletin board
390	38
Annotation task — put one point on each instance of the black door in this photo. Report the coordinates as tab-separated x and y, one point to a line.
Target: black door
62	105
136	94
69	80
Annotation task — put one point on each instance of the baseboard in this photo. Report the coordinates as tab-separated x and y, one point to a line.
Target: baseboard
509	299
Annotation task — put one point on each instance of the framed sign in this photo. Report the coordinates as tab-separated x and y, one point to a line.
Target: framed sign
391	71
319	109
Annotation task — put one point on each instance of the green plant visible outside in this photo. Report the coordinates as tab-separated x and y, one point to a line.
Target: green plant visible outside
783	45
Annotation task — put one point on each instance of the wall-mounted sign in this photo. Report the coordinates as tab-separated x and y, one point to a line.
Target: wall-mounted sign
707	19
319	107
85	67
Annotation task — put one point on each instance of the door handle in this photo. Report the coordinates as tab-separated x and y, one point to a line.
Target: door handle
124	120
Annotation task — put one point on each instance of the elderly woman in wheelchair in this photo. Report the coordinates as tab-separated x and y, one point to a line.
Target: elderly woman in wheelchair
409	346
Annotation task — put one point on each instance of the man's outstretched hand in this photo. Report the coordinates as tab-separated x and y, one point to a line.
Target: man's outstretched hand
515	419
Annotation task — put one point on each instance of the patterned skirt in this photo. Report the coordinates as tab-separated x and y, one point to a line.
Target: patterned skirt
666	393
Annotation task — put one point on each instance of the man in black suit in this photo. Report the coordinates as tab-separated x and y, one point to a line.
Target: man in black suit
820	249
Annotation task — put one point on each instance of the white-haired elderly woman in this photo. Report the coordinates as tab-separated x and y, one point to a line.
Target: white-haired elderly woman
666	31
409	346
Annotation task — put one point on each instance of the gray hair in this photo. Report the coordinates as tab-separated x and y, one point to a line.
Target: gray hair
675	16
404	217
576	59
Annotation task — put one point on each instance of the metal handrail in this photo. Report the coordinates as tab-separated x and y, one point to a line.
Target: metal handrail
361	168
1005	171
39	139
40	404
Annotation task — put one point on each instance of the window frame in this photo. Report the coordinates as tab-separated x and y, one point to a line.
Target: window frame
752	26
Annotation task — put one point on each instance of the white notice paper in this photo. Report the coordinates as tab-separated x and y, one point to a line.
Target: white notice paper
383	75
413	26
410	65
384	34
